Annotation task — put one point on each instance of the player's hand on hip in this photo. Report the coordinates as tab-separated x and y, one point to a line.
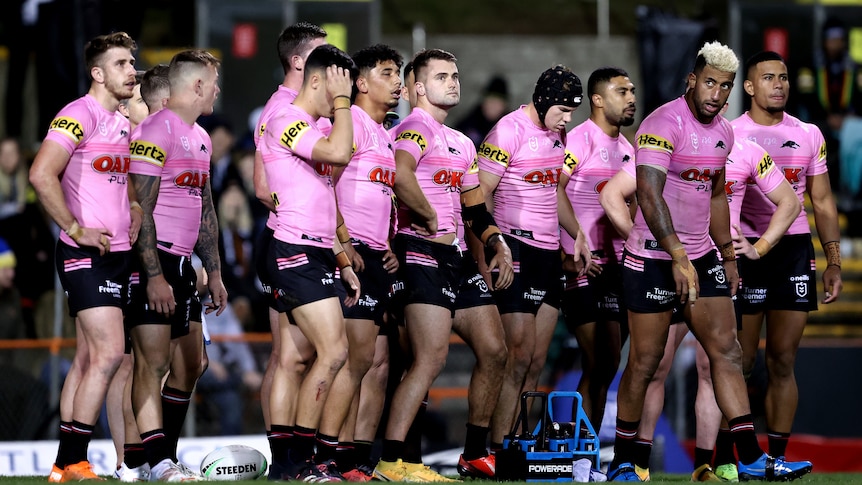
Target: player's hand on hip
98	238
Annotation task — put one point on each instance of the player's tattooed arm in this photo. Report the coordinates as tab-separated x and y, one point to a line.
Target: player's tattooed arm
207	243
147	192
650	186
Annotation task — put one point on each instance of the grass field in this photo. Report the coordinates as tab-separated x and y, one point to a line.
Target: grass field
655	478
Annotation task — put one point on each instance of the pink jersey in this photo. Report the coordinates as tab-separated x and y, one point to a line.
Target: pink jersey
283	96
179	154
671	139
592	158
364	189
94	181
529	160
799	150
462	148
438	171
748	165
301	188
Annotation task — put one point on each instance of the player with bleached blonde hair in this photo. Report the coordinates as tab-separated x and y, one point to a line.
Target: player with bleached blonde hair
670	261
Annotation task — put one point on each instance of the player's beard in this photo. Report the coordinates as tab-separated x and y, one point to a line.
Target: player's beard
119	89
776	109
443	101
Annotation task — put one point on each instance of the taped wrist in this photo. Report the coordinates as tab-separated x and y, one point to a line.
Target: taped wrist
727	252
343	234
75	231
480	221
762	246
342	260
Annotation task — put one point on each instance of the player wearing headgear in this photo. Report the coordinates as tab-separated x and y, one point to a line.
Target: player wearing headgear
520	163
670	259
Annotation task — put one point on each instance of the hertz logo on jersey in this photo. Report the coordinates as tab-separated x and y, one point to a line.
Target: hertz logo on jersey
570	162
822	152
291	134
69	127
261	130
413	136
474	166
654	142
147	152
494	153
765	165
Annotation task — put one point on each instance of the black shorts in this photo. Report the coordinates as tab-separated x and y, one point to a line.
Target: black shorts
428	271
91	280
180	274
537	279
260	264
301	274
594	299
472	289
648	285
375	287
784	279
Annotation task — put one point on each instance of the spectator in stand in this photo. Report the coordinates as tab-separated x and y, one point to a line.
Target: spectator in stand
224	172
11	316
232	369
494	104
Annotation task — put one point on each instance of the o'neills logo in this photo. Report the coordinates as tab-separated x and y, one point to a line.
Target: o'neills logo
648	140
192	179
494	153
69	126
323	169
413	136
147	152
383	176
543	177
449	178
291	134
111	164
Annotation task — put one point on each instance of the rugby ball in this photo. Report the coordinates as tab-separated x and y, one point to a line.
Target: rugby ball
233	462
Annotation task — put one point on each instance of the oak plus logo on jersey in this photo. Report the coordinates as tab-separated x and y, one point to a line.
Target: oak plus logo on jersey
322	169
494	153
147	152
695	174
451	179
648	140
69	127
546	177
111	164
382	175
291	134
728	188
792	175
193	180
600	186
413	136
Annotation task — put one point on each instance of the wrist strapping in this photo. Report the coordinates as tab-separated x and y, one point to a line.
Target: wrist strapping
75	231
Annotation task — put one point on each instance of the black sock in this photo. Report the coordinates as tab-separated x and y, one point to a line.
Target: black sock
642	449
134	454
742	428
702	456
392	450
280	440
413	442
362	452
724	448
63	449
175	406
777	442
326	446
624	442
345	456
156	446
303	446
78	441
474	444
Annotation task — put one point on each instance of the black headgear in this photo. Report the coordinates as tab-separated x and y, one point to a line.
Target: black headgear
557	86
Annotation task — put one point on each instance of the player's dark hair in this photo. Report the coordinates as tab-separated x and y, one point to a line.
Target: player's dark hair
327	55
155	83
408	68
97	46
421	60
762	56
367	59
603	75
294	41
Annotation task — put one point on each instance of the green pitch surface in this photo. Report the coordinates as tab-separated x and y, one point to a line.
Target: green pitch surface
851	478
